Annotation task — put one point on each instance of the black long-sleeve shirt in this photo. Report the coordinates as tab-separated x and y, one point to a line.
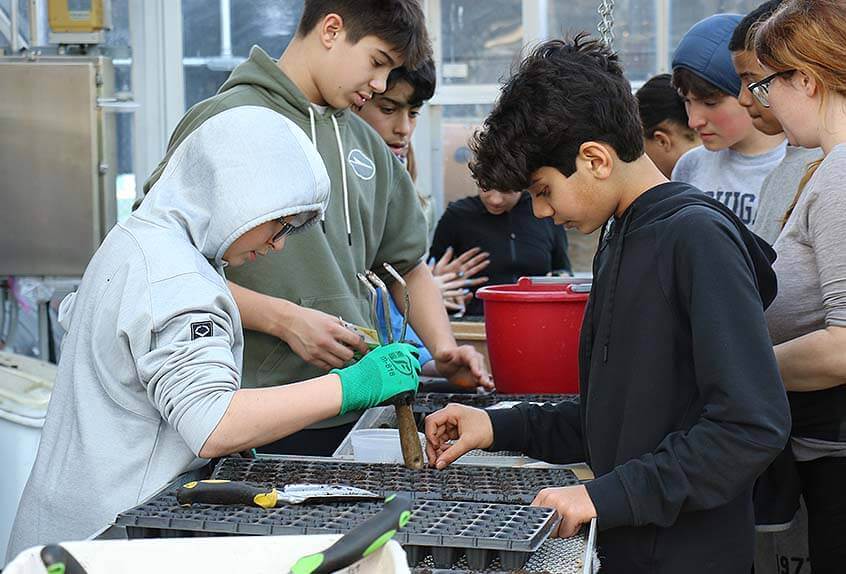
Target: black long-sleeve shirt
519	244
681	402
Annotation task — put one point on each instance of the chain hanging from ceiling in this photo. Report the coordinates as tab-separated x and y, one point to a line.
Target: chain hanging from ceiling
606	22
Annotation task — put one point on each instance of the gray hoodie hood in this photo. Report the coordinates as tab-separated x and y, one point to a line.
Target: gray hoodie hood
241	168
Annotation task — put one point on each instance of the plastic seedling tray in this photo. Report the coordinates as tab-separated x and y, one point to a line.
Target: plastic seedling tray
441	530
455	483
425	403
576	555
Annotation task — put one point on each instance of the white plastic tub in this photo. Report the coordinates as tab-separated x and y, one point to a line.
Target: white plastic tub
379	445
25	387
253	554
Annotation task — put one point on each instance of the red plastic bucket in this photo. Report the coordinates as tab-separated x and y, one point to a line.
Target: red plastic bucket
533	334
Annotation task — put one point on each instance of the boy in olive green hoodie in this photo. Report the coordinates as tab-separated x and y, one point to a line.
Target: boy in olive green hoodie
341	55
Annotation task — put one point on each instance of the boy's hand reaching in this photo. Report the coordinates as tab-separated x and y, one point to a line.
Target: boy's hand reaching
463	366
573	504
470	429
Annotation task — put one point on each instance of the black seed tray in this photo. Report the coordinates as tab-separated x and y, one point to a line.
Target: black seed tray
445	531
425	403
455	483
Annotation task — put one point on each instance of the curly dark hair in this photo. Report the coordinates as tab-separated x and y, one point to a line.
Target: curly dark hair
566	92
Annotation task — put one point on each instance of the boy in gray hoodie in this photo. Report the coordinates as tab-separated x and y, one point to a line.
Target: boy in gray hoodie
148	386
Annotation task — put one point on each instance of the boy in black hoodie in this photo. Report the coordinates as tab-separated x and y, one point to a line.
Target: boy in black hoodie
681	404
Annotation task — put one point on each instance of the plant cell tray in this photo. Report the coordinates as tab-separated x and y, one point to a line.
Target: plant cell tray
455	483
442	532
425	403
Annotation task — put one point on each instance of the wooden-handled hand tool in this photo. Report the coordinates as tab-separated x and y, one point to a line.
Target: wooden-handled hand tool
412	452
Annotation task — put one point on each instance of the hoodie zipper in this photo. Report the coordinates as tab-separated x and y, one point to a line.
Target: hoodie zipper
605	238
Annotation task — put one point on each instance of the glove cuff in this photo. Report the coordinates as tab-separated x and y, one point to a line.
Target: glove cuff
360	386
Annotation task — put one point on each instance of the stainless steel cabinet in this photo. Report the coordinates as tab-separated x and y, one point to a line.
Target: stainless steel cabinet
57	163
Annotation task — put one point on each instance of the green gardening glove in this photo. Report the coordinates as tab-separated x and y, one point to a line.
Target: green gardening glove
381	374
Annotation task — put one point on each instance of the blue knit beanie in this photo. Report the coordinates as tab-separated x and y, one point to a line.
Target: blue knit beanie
704	51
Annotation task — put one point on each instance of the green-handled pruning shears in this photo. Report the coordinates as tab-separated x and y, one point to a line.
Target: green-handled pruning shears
361	541
57	560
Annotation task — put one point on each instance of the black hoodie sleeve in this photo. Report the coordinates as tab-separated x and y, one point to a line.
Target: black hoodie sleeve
552	433
707	275
445	234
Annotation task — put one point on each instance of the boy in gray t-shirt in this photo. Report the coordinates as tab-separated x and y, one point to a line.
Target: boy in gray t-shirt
735	157
730	177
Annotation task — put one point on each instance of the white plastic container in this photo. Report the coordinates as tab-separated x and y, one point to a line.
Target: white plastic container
25	387
254	554
379	445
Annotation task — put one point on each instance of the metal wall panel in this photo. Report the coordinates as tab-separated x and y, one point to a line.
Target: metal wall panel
53	148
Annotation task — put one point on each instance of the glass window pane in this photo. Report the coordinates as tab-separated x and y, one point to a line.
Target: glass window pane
23	20
684	14
200	28
457	126
268	23
118	36
119	49
634	30
480	39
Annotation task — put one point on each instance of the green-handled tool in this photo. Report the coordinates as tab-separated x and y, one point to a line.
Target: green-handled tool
361	541
243	493
57	560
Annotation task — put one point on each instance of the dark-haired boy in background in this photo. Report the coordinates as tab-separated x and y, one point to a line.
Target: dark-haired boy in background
666	135
681	403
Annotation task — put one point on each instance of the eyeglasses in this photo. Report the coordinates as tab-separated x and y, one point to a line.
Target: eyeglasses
287	229
761	88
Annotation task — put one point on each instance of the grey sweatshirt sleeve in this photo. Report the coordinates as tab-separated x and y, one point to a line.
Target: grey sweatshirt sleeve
189	372
826	232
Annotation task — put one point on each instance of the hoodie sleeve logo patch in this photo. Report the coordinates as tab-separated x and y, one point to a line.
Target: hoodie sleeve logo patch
201	329
362	165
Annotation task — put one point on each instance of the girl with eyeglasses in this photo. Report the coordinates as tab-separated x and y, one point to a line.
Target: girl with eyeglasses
802	49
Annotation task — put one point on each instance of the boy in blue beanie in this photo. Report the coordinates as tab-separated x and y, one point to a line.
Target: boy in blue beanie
735	157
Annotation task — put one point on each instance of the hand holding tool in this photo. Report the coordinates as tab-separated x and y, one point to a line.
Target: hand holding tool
412	453
359	542
246	494
386	306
